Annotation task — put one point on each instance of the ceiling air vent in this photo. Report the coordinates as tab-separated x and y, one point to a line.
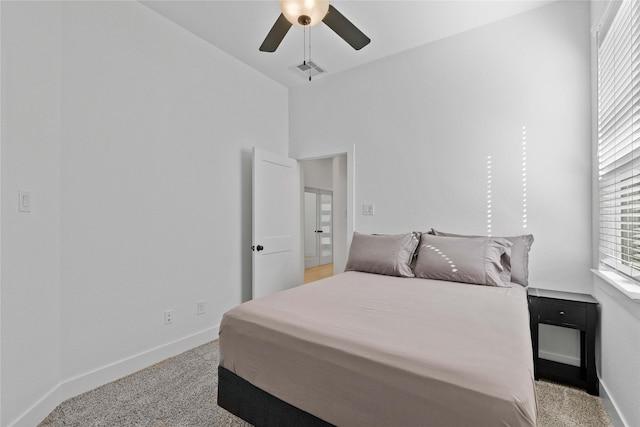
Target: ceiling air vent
307	69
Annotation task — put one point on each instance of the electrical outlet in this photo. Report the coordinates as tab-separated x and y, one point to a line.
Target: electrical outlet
168	317
200	308
367	209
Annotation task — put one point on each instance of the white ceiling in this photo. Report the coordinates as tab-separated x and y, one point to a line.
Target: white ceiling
238	27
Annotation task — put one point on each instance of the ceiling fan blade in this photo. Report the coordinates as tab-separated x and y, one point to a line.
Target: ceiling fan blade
345	29
275	36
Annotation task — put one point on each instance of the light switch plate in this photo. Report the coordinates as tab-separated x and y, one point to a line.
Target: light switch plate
367	209
24	201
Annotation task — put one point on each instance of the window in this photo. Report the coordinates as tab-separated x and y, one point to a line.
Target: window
619	140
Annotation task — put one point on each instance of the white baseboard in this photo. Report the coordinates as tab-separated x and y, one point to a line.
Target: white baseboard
610	406
560	358
39	410
88	381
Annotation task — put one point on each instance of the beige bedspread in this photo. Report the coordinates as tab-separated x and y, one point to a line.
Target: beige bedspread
362	349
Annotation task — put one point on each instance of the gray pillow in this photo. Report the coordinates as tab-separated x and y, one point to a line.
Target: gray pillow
383	254
519	255
460	259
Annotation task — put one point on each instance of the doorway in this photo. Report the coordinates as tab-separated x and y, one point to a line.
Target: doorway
330	172
318	227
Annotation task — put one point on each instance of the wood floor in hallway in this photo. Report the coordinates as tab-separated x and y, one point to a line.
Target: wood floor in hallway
316	273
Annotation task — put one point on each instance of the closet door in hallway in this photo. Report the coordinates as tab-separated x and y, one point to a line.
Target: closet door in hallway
318	227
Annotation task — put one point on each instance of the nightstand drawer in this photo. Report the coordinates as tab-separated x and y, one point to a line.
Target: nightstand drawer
563	314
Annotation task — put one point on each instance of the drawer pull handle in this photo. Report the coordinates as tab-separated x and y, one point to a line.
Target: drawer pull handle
561	313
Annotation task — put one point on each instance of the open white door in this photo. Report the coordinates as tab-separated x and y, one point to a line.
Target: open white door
276	223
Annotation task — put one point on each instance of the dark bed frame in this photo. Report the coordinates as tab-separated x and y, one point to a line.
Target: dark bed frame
258	407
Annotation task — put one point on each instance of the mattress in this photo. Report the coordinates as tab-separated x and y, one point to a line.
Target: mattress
361	349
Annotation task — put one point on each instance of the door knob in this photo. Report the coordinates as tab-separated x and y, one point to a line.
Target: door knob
259	248
319	231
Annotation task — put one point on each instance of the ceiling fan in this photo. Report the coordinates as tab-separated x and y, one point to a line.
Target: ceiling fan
306	13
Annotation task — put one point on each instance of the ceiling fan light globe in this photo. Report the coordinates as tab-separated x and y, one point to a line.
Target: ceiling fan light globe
316	10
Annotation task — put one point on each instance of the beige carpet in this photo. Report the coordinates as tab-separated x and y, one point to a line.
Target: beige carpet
568	407
182	391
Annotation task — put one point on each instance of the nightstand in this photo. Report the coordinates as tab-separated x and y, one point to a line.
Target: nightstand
567	310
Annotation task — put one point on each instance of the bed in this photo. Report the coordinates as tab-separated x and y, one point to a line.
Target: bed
371	349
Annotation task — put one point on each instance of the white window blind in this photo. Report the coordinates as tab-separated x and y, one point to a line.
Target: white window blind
619	140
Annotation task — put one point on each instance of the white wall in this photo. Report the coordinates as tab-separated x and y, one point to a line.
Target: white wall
318	173
135	138
619	333
30	253
425	121
618	350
